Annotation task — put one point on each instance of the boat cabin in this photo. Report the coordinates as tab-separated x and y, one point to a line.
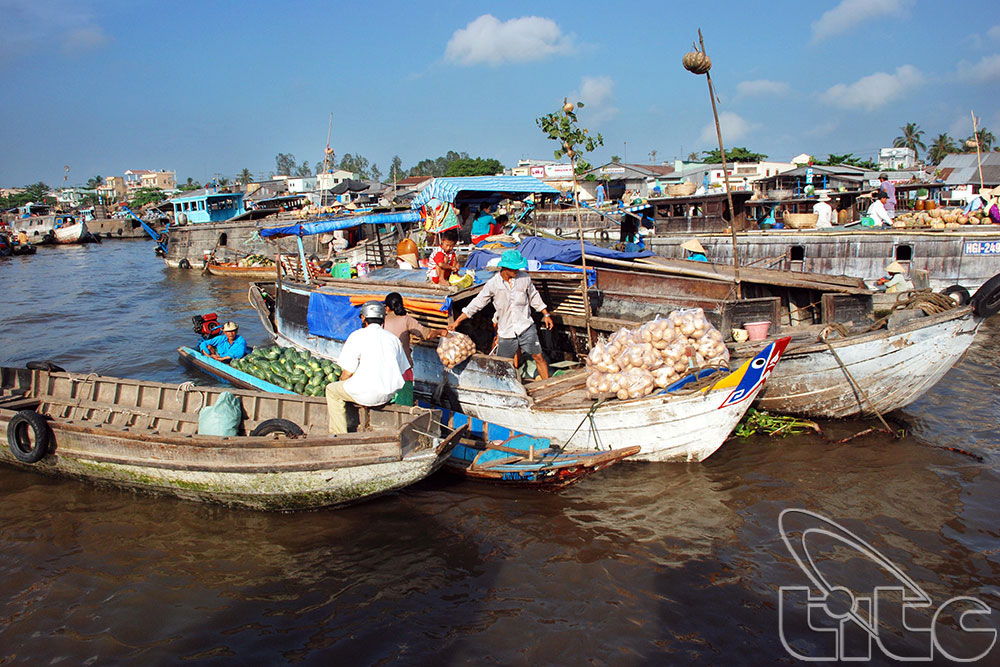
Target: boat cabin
207	206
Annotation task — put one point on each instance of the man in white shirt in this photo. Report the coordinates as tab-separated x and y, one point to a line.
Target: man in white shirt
373	363
877	210
823	209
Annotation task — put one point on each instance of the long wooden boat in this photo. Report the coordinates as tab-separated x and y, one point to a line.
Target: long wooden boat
70	232
144	435
233	270
517	461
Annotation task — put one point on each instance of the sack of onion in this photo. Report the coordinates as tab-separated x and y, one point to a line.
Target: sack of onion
455	348
636	362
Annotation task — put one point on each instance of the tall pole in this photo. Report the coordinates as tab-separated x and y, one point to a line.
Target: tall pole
979	159
725	176
583	252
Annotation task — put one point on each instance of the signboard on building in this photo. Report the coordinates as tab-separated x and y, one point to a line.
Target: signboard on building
538	172
558	171
613	171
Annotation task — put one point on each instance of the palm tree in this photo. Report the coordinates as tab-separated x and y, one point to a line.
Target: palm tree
942	145
986	140
911	138
245	176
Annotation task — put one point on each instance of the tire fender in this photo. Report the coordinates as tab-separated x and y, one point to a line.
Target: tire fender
986	300
184	264
269	426
25	449
604	235
44	366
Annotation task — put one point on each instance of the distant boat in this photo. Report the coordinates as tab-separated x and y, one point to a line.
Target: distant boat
51	228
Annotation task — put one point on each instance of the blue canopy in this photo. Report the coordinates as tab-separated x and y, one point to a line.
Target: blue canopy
325	225
446	189
551	250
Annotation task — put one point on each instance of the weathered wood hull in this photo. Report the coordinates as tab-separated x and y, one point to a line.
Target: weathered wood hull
893	368
247	272
71	233
550	469
143	436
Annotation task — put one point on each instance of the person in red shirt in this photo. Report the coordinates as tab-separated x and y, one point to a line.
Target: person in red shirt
443	262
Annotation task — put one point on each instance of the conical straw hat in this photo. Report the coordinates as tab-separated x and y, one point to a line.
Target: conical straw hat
895	267
694	246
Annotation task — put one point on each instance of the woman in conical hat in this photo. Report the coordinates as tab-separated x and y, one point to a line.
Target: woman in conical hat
695	251
896	282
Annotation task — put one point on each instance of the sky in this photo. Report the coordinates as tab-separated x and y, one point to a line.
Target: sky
213	87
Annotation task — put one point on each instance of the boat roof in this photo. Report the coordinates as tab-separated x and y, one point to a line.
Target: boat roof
447	189
195	195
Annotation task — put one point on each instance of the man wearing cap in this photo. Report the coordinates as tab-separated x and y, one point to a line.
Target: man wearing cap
373	363
895	282
824	212
513	296
877	210
887	186
695	251
227	346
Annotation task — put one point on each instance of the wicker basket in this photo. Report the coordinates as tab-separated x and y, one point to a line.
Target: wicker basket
681	190
801	220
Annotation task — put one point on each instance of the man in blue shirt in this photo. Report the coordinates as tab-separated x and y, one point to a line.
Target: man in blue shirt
230	345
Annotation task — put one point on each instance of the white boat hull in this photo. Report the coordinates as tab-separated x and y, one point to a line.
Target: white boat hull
893	368
71	233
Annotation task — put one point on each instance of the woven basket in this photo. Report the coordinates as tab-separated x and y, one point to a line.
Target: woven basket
801	220
681	189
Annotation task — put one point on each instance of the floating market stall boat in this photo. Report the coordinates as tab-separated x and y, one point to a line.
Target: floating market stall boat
144	435
235	270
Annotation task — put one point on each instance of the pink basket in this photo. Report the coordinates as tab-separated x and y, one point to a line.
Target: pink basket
757	330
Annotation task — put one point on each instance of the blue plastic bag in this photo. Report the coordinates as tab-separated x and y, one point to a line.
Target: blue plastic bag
223	418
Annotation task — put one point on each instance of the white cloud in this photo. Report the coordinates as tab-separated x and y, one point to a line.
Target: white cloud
761	87
85	39
850	13
994	32
987	69
31	25
494	42
734	128
597	93
875	90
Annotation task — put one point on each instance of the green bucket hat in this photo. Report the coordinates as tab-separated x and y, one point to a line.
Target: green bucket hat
512	259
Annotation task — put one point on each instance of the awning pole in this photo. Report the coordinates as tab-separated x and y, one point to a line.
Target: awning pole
302	259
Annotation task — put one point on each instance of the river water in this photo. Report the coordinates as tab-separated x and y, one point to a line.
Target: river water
644	563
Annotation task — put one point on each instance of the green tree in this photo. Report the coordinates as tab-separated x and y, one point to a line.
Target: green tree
95	182
474	167
910	138
846	158
36	192
191	184
284	164
396	169
376	173
222	181
692	157
734	154
562	126
357	164
616	159
245	176
986	140
303	170
144	196
437	166
941	147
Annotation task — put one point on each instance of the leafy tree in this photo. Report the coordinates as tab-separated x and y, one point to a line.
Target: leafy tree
37	193
563	126
616	159
144	196
474	167
692	157
376	173
396	169
222	181
438	166
846	158
986	140
303	170
95	182
910	138
245	176
284	164
191	184
942	146
357	164
734	154
652	156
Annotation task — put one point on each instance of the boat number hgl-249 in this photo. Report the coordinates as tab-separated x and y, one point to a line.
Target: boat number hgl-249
982	247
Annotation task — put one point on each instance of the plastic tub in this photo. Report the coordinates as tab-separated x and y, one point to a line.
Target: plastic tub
757	330
341	270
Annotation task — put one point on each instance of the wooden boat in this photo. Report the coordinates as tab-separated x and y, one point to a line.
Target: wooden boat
69	230
144	435
517	461
524	460
234	270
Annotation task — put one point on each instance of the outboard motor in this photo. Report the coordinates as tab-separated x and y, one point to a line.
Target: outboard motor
207	326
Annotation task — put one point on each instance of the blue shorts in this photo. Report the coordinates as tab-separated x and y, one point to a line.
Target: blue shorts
527	340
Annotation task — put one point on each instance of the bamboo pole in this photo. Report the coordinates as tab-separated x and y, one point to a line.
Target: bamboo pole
725	176
583	252
979	159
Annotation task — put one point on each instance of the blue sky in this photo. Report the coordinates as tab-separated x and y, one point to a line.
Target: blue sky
212	87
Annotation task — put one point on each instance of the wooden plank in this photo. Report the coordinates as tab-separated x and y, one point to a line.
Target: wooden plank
847	308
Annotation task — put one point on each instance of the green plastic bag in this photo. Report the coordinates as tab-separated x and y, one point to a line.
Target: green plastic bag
223	418
867	221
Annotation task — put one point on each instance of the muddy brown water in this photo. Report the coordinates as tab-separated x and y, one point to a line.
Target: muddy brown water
644	563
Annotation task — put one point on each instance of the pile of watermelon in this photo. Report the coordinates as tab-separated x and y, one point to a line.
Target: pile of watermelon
291	369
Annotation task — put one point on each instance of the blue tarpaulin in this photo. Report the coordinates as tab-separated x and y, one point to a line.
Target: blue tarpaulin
551	250
325	225
445	189
332	316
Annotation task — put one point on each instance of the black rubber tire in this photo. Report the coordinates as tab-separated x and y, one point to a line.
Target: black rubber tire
25	449
44	366
558	231
313	258
986	300
184	264
958	293
277	426
604	235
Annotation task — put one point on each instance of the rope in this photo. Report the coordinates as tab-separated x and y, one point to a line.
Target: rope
850	378
922	299
593	427
186	387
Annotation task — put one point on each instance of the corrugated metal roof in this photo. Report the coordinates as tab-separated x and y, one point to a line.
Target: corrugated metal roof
446	189
963	169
